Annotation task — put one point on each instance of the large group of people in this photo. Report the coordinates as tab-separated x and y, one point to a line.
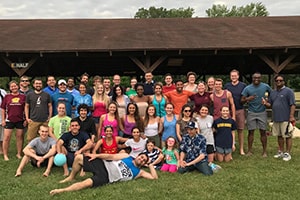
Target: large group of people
176	127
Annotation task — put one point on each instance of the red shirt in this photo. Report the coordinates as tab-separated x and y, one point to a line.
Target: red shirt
112	149
14	107
166	89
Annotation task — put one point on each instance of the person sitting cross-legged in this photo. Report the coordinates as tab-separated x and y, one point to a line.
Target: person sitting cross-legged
40	151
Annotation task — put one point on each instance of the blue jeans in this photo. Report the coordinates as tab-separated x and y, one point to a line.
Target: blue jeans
200	166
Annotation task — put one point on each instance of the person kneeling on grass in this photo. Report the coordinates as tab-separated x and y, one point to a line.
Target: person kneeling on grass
107	168
224	136
40	151
193	152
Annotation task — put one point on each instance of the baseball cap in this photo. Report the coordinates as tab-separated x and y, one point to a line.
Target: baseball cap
62	81
191	124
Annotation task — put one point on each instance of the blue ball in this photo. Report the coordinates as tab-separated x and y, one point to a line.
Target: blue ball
60	159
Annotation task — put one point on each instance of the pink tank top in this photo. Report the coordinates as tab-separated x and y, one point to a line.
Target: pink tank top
219	102
113	123
128	126
99	109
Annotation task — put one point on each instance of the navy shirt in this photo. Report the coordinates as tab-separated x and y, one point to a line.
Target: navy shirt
236	91
223	135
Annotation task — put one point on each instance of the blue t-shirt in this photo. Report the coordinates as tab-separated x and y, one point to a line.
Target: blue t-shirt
49	90
223	135
134	169
67	98
236	91
258	91
281	101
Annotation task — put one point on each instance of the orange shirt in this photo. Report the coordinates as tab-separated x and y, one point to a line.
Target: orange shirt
178	99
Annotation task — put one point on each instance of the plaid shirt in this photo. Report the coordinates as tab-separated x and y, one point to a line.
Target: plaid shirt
193	147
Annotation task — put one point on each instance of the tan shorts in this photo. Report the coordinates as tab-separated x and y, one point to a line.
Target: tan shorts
240	119
280	129
32	131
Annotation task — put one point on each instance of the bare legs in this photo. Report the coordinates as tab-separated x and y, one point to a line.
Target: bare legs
288	144
241	140
77	165
263	139
6	140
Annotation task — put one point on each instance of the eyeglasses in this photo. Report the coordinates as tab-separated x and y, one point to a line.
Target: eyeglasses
24	80
279	80
187	110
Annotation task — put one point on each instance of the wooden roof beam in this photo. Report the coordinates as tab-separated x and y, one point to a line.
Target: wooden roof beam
275	65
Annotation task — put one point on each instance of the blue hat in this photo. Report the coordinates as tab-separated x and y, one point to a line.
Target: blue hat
191	124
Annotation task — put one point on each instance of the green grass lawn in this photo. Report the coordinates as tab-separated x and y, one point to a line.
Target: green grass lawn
244	178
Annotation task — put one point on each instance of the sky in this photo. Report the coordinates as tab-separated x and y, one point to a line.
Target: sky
101	9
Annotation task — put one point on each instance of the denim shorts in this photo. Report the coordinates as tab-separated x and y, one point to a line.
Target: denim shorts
222	150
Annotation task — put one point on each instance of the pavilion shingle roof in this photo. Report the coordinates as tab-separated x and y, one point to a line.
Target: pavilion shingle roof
59	35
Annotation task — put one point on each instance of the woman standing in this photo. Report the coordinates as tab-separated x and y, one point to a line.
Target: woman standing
159	100
201	98
141	100
169	124
131	119
100	103
13	106
121	99
110	119
152	125
82	98
60	123
190	85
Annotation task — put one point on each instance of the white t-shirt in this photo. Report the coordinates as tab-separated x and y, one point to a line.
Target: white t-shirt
136	147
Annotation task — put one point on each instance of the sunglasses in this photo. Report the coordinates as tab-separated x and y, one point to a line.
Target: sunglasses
24	80
187	110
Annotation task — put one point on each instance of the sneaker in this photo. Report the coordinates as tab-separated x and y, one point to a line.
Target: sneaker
279	155
286	157
215	167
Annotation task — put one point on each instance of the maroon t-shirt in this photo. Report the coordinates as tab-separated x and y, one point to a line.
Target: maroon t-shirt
14	106
200	100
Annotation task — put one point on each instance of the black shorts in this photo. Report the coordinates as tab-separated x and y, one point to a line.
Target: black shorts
12	125
43	164
210	149
97	167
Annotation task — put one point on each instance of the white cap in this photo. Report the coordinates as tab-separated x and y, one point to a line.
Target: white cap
62	81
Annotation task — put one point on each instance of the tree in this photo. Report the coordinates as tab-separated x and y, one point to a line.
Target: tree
161	12
250	10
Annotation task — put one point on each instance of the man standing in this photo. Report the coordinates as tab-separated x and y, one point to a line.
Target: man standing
24	85
283	105
71	87
257	115
85	80
40	151
73	143
178	97
62	96
149	84
170	86
107	168
193	152
51	85
107	88
38	109
236	87
221	98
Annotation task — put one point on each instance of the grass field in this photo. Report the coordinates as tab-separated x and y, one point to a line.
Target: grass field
244	178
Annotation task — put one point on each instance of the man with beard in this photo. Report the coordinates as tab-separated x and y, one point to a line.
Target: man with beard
38	109
24	85
178	97
253	94
51	85
107	168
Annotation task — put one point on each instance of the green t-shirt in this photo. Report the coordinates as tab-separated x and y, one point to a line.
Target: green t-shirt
60	125
170	157
131	92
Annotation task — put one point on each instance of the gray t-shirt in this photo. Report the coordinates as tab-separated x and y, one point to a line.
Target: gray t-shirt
38	106
41	148
205	128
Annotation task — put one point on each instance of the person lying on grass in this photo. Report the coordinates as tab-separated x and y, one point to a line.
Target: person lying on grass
40	151
107	168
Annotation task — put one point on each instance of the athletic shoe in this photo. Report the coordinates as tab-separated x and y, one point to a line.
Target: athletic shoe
286	157
215	167
279	155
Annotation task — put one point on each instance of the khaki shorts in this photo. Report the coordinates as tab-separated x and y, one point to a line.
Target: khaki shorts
32	131
240	119
281	129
